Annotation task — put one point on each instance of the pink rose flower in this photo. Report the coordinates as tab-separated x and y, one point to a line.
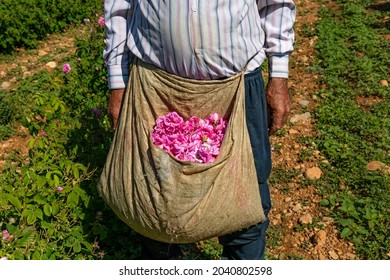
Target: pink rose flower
101	21
66	68
6	235
195	140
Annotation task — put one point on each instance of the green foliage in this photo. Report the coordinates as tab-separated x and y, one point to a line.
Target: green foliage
353	123
280	178
26	21
6	115
210	249
48	200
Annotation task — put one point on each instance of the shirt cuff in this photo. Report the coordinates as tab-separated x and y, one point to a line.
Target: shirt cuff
278	66
118	76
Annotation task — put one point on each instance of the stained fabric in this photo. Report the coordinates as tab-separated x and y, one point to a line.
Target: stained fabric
170	200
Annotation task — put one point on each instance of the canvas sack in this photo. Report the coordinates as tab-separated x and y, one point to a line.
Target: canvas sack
170	200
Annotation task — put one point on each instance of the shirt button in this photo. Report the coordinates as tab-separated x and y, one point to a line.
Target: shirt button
194	9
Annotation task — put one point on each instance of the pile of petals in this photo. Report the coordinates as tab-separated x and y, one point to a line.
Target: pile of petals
195	140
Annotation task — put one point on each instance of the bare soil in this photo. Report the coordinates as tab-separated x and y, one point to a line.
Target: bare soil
306	231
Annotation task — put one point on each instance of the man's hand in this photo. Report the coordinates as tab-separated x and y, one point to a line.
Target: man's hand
114	106
279	103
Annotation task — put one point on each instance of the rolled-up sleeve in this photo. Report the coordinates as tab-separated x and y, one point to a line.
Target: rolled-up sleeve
277	21
117	16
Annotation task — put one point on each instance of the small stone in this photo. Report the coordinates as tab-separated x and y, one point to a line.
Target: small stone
5	85
306	219
384	83
51	64
320	238
313	173
351	256
314	97
293	131
303	103
327	219
42	53
333	255
321	257
301	117
378	165
297	207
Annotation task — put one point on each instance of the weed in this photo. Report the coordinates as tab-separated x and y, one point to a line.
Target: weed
280	178
351	56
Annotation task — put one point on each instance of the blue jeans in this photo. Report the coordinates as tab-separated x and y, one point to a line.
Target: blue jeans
248	244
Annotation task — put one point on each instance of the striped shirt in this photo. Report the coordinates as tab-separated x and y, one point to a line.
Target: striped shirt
198	39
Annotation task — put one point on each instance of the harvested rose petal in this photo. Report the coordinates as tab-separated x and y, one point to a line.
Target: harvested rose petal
194	140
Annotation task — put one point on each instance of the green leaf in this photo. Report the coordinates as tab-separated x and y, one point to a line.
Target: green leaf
56	180
76	172
13	200
345	222
73	199
18	255
324	202
55	208
346	232
41	144
31	143
39	199
87	245
12	229
47	209
27	238
46	225
36	255
31	218
39	213
362	230
77	246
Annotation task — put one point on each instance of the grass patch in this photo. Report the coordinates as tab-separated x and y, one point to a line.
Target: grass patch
353	62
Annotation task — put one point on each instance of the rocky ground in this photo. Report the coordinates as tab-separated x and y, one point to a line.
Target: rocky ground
306	232
299	229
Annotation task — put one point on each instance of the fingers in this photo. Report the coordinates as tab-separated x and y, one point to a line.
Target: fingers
114	106
278	120
279	104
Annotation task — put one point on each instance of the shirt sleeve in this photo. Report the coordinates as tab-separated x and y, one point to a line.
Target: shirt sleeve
277	20
117	56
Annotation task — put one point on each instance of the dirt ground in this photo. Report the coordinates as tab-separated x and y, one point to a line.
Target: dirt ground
306	232
300	229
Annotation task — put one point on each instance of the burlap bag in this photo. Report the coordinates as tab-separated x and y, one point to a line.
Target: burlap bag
170	200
